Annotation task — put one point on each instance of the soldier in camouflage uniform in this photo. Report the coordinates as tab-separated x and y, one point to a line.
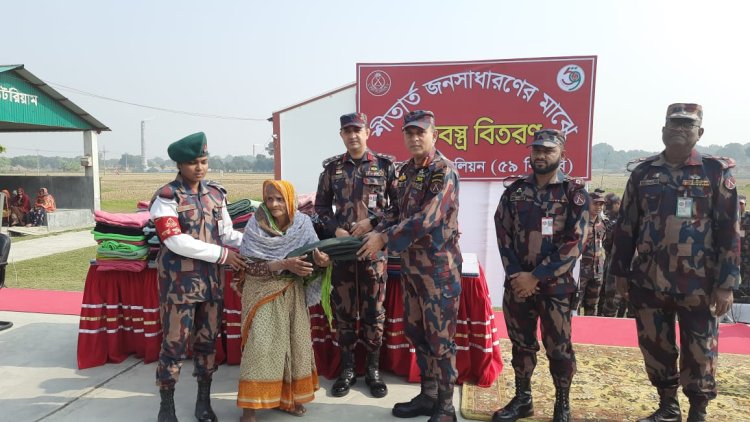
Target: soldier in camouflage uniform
360	184
592	257
745	246
680	214
422	225
541	225
611	303
195	229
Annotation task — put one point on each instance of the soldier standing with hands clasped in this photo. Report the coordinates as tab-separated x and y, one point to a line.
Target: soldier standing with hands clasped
679	213
541	223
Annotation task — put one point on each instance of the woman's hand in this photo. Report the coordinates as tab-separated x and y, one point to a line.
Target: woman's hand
321	259
297	265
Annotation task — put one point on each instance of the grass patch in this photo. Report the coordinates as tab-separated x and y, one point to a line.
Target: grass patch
62	271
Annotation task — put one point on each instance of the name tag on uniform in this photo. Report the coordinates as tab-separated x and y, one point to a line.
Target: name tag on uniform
372	200
547	226
685	207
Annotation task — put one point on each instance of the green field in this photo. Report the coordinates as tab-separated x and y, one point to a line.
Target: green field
121	193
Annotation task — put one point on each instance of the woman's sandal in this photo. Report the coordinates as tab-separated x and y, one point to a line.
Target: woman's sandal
297	410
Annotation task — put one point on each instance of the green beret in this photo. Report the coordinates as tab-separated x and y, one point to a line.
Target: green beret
188	148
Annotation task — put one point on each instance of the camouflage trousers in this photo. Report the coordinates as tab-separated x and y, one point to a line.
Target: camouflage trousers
430	313
588	294
358	294
611	303
193	325
655	315
553	312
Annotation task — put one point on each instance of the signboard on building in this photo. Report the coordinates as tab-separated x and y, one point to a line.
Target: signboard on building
486	112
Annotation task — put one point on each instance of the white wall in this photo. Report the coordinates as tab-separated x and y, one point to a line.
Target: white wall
309	134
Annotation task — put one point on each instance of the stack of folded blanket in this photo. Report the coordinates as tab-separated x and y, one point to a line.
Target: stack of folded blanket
241	211
122	243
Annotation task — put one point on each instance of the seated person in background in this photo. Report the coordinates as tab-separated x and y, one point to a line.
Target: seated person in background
19	206
44	203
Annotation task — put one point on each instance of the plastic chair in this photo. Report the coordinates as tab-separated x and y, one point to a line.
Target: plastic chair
4	253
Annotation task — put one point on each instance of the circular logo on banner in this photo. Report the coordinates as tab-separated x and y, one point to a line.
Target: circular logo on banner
570	78
378	83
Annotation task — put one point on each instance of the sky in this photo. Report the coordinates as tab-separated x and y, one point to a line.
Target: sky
243	60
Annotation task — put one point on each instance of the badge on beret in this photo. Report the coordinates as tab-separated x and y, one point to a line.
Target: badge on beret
579	199
402	177
729	183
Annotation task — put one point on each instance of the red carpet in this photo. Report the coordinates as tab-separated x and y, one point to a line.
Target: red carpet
733	338
41	301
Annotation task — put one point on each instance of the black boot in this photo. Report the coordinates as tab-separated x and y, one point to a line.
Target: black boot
203	411
421	405
166	408
347	377
562	405
444	410
377	386
669	407
520	406
697	412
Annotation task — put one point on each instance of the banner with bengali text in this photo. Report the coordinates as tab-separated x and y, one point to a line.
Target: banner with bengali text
486	112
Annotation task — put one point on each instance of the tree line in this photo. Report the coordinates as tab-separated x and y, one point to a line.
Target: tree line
604	157
131	163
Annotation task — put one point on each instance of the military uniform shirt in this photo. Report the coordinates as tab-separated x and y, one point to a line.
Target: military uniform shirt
518	225
424	220
683	223
357	190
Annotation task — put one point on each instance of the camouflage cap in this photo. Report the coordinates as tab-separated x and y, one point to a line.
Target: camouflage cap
612	198
597	195
353	119
742	199
419	118
188	148
549	138
685	111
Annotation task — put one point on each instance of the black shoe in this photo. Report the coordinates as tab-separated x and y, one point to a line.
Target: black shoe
697	412
203	411
562	405
346	378
166	408
421	405
377	386
444	410
520	406
669	407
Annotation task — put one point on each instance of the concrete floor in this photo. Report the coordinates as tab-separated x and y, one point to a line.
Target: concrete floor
39	381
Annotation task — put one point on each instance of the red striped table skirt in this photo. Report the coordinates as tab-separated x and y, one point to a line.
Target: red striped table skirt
120	317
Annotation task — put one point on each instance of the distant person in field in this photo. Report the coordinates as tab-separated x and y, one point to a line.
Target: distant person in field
45	203
196	234
20	205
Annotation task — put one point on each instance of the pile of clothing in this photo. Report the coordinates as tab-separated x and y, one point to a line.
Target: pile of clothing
122	242
241	211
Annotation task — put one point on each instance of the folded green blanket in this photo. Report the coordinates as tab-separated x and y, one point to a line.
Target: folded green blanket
98	236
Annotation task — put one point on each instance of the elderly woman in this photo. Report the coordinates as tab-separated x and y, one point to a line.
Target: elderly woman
278	366
44	204
19	206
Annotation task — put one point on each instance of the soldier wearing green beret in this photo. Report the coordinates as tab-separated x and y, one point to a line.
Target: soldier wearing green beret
195	231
